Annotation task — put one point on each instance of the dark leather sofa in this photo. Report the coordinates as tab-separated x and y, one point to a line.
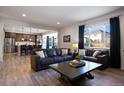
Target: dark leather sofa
102	58
51	56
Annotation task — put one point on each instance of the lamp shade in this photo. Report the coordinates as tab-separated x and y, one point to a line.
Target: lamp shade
74	45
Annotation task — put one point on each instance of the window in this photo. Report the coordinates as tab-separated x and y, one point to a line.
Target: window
97	36
51	35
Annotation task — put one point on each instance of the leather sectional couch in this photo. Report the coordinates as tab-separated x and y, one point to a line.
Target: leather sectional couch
51	56
55	56
102	58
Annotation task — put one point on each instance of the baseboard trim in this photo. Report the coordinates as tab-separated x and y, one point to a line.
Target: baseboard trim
122	67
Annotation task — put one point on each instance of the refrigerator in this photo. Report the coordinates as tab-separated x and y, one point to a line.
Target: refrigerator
9	45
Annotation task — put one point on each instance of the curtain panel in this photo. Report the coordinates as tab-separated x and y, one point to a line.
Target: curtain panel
115	57
81	37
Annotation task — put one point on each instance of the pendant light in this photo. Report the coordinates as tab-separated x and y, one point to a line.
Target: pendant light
30	36
23	35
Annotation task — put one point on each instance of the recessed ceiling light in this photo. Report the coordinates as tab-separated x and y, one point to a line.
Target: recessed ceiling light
58	23
24	15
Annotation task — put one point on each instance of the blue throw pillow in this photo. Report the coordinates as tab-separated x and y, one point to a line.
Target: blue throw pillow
51	52
58	52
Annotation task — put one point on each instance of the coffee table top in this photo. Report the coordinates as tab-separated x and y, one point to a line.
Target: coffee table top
71	72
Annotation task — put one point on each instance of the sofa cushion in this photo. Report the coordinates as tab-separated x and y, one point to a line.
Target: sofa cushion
48	60
51	52
89	52
58	59
67	57
58	52
90	58
103	51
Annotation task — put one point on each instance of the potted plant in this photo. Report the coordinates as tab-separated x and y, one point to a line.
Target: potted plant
78	57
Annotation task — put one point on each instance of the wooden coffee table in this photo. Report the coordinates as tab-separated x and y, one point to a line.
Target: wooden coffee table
70	74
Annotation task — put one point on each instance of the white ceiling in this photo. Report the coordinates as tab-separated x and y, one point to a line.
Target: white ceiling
49	15
25	30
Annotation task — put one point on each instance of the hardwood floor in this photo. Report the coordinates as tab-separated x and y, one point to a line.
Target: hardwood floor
16	71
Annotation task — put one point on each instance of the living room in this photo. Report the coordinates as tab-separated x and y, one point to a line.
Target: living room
45	43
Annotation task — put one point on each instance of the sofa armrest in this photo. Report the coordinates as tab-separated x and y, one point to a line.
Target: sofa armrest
90	58
35	61
101	56
103	59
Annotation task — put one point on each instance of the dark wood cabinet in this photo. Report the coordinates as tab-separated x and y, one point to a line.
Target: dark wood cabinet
18	36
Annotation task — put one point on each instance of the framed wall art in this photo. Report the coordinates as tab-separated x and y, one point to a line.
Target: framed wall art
67	38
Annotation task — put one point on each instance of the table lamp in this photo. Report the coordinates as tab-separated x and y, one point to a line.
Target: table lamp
74	47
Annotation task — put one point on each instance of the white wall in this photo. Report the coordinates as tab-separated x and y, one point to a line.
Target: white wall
73	31
1	42
122	41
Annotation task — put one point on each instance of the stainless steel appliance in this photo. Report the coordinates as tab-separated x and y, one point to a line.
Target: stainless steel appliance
9	46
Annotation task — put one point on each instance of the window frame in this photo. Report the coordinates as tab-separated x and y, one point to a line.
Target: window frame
98	26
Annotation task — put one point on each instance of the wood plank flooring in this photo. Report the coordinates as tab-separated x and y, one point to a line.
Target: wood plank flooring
16	71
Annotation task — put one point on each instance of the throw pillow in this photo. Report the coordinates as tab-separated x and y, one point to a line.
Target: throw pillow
51	52
96	53
58	52
82	52
41	54
64	51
